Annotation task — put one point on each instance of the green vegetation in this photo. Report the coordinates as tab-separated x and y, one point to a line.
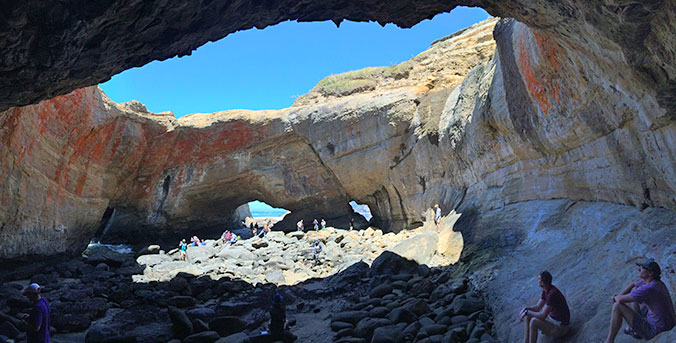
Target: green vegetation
360	80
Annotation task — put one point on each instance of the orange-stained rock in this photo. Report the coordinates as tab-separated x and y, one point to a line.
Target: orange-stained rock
461	124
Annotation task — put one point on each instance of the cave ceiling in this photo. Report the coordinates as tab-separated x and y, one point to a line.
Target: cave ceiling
53	47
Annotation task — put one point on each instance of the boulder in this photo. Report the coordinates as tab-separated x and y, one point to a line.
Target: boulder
419	248
386	334
466	305
153	260
182	325
234	338
202	337
450	244
366	326
380	291
70	322
275	277
199	254
149	250
227	325
390	263
351	317
230	253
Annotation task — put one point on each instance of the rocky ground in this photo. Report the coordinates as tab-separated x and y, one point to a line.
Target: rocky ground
286	259
223	293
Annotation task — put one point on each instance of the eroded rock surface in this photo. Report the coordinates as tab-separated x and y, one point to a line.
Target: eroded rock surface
575	103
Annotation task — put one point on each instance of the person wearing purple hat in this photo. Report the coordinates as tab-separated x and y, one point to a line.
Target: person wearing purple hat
37	322
646	305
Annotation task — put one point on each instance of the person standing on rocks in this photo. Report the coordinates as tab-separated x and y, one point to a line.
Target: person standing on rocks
351	223
37	322
182	247
646	305
315	225
437	216
278	321
323	224
550	315
316	250
299	225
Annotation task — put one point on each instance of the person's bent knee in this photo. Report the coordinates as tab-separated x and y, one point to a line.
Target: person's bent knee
534	322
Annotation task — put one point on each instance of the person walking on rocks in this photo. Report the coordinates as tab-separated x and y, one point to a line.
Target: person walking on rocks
316	250
278	321
315	225
37	322
550	315
437	216
323	224
299	225
182	247
645	305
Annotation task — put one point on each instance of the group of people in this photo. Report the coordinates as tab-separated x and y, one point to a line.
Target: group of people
183	245
229	238
300	226
257	232
645	306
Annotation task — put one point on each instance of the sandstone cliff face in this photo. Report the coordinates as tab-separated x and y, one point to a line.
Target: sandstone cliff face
127	175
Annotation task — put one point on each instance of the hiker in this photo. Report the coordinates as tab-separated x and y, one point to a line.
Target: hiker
37	322
323	224
278	329
550	315
645	305
315	225
269	225
351	223
182	247
299	225
316	249
437	216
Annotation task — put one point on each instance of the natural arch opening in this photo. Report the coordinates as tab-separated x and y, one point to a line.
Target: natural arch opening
273	67
261	216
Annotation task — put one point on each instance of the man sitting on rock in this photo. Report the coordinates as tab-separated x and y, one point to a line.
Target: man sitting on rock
550	315
651	310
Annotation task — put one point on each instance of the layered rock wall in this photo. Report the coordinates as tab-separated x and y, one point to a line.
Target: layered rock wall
555	141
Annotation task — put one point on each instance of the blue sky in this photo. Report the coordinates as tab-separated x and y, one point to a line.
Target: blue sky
269	68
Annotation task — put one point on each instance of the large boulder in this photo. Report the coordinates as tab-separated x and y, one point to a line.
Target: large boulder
419	248
391	263
199	254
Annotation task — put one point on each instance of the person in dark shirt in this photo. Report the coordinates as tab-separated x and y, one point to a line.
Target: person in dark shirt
37	322
645	305
278	321
550	315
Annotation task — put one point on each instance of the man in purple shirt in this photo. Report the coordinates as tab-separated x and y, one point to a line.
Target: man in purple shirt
550	315
651	310
37	322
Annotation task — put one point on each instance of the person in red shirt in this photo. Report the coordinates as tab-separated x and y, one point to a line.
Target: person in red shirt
550	315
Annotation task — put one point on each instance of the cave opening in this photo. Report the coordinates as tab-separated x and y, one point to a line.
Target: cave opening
273	67
260	214
105	224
